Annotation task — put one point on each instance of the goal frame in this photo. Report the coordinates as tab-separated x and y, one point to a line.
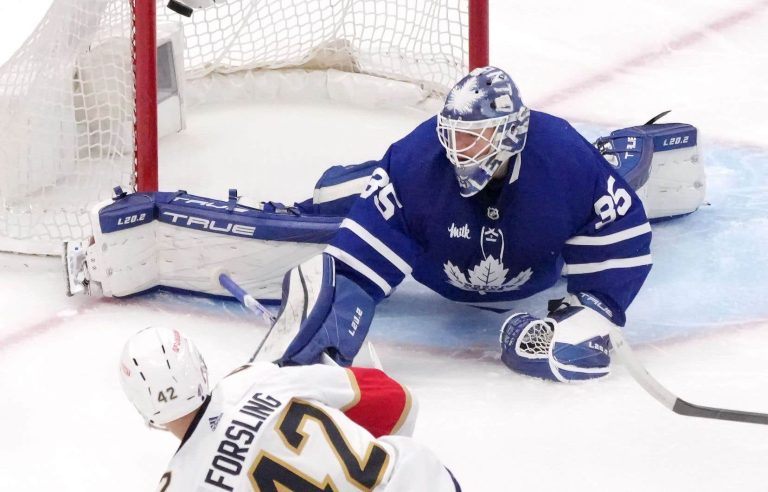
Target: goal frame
145	73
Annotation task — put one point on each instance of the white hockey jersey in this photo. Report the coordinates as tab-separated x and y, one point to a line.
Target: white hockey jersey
308	428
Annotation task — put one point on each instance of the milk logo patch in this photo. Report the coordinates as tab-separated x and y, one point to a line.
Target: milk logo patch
458	232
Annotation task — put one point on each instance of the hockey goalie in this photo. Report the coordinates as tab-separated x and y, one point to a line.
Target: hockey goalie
486	203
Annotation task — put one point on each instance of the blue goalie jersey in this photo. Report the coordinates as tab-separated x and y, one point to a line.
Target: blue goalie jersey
560	204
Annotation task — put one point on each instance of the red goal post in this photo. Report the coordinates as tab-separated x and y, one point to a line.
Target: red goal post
79	99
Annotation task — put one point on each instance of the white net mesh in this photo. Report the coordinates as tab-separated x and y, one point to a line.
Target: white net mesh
67	95
423	41
66	120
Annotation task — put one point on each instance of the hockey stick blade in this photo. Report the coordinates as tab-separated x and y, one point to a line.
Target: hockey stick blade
682	407
669	399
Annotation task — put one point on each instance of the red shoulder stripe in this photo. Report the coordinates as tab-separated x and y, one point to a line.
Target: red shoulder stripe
381	404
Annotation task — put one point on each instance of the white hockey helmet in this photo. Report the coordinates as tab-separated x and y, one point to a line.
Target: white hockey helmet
163	375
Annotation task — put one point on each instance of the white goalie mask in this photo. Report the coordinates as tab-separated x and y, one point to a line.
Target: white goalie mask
471	144
481	126
163	375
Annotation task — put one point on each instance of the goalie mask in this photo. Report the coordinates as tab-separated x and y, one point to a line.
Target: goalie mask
482	124
163	375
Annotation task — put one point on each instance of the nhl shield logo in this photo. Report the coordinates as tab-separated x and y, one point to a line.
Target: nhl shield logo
493	213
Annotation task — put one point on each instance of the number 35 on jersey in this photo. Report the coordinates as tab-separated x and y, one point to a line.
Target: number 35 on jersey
384	198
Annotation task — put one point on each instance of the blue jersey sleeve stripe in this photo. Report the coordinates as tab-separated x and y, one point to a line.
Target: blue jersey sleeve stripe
616	237
586	268
340	190
360	267
377	245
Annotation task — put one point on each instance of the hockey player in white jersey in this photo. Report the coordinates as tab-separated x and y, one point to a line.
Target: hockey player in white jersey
267	428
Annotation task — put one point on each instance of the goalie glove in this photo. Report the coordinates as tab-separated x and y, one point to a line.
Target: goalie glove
571	344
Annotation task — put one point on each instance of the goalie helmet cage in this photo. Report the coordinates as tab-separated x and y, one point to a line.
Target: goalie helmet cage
78	100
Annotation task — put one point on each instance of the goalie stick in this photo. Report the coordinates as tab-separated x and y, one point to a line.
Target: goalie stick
256	307
669	399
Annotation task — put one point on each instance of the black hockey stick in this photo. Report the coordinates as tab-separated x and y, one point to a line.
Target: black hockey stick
669	399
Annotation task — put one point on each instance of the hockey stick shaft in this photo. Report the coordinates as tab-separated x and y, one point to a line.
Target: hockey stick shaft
245	298
669	399
252	304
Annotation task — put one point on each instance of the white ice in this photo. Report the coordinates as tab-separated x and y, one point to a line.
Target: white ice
699	324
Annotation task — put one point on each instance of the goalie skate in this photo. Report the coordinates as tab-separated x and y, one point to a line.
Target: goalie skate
76	268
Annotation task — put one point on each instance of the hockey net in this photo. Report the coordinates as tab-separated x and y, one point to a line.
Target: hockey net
70	127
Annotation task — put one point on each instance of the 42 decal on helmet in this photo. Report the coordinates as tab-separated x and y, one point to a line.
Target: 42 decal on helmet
385	198
167	395
613	205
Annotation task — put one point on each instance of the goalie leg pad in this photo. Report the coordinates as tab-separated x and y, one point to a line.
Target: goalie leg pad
661	163
306	300
185	242
343	330
322	312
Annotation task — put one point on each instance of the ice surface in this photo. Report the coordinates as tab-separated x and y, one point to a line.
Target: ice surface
700	323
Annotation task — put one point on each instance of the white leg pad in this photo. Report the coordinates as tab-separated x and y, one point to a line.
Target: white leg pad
178	252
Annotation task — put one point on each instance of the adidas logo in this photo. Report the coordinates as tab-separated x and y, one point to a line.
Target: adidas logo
214	421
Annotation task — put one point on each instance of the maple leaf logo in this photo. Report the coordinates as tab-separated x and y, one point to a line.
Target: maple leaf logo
519	280
488	276
455	276
490	273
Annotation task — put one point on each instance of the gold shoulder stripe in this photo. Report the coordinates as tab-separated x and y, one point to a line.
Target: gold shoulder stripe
406	411
355	389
